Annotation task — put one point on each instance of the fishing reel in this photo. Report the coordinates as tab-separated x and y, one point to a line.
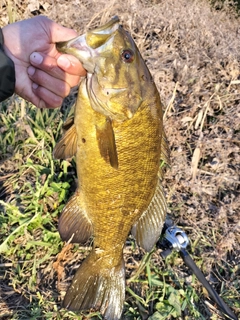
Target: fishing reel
173	239
176	239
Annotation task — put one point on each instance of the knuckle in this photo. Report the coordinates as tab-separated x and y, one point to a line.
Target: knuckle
50	66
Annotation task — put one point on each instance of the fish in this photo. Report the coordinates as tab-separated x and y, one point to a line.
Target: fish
118	139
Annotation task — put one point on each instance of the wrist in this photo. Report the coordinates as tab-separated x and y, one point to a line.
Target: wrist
7	72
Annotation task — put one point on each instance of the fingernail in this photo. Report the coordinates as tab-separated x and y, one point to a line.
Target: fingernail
34	85
31	70
42	104
63	61
36	58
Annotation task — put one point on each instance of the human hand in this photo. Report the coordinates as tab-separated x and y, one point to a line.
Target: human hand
44	76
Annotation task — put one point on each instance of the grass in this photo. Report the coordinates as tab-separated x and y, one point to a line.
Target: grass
39	187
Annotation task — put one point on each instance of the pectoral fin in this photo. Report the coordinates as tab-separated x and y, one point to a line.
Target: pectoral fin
148	228
106	143
67	145
74	222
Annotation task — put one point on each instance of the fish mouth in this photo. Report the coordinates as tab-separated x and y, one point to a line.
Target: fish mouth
79	49
85	47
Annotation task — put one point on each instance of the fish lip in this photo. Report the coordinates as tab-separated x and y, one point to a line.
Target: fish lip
106	29
67	45
78	43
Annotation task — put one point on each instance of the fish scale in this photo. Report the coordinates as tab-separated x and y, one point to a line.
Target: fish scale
118	139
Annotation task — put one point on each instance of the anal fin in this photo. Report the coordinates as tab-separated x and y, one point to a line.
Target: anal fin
74	223
149	226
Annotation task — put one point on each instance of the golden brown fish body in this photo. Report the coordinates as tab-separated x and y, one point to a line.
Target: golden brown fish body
118	139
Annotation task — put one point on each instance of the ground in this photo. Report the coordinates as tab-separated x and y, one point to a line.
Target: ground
193	52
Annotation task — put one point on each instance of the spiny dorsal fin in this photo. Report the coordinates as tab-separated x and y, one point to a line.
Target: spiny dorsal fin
106	143
74	222
148	228
165	154
67	145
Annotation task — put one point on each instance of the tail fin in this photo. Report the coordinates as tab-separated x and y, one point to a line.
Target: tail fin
98	287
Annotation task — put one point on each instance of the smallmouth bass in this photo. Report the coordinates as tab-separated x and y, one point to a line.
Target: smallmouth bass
118	138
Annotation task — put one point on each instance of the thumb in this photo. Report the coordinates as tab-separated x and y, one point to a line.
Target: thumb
71	65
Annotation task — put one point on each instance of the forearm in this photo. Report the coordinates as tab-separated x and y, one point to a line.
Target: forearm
7	73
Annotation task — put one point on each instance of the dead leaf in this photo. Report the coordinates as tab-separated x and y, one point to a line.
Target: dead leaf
195	160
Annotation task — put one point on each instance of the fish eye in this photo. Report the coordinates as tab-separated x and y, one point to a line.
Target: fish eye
127	55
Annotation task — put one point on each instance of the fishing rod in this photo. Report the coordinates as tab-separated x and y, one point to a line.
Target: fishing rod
176	239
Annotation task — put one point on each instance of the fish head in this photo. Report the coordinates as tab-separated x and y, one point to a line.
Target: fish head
117	75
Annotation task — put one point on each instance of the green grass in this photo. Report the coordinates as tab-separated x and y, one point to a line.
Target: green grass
33	191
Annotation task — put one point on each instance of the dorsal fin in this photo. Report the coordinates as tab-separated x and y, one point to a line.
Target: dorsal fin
106	143
165	152
67	145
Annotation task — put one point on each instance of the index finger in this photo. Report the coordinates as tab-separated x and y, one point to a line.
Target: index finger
49	65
